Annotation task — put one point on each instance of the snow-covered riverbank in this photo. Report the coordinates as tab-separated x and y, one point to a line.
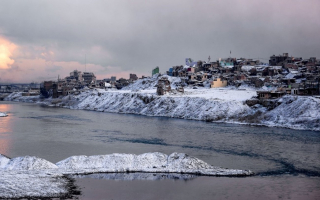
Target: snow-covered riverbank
218	105
207	104
31	176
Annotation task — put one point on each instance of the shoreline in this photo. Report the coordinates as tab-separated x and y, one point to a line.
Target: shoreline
200	105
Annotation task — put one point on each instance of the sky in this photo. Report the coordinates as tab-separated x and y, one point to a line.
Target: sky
41	40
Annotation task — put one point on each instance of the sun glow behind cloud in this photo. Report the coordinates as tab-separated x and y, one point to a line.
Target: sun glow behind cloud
36	63
6	51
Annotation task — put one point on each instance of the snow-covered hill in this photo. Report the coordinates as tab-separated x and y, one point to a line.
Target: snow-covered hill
296	112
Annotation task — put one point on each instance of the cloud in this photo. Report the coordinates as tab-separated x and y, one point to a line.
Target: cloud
54	68
6	51
136	36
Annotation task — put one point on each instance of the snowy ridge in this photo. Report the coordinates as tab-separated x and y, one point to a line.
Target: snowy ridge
28	163
31	176
148	162
222	105
186	107
295	112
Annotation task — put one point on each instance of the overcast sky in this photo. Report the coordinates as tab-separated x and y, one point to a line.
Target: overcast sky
40	40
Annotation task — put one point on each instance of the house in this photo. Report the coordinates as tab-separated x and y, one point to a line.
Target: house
133	77
169	73
76	75
163	86
270	94
275	60
113	78
89	78
219	83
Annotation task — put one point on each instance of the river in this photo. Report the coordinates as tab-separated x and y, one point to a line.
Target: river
286	162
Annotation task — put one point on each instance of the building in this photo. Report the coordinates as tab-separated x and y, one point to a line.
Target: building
113	78
76	75
190	62
270	94
169	73
89	78
163	86
133	77
276	60
219	83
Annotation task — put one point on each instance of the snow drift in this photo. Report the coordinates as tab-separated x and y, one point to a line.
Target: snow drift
32	184
28	163
3	114
185	107
31	176
3	161
148	162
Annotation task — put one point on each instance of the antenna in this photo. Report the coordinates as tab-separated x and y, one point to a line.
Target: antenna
85	63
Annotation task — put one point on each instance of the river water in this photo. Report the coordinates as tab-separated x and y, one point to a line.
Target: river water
286	162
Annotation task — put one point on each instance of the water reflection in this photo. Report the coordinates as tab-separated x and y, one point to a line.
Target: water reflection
5	145
5	128
5	107
137	176
5	124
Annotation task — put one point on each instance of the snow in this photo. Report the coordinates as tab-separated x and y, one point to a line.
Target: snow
30	177
224	94
295	112
28	163
214	104
3	161
290	76
149	162
151	82
23	184
3	114
194	104
247	68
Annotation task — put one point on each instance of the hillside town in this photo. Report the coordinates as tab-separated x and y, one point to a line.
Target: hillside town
283	75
